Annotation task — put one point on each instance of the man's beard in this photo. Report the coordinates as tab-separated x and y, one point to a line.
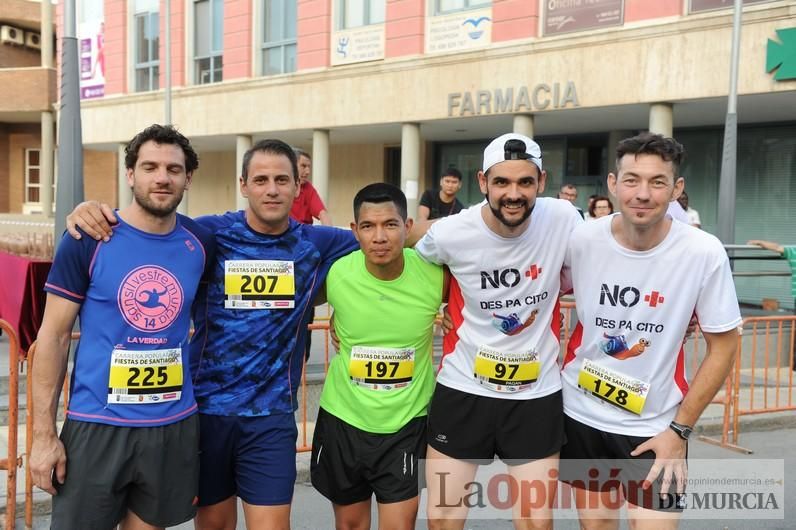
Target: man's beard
499	215
155	209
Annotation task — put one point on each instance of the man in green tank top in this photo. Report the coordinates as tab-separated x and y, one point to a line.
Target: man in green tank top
370	433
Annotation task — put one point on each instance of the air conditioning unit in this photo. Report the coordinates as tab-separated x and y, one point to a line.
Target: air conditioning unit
12	35
33	40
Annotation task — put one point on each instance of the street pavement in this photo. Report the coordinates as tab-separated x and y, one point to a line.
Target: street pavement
313	512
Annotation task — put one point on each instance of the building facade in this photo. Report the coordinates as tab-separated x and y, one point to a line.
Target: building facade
398	90
27	95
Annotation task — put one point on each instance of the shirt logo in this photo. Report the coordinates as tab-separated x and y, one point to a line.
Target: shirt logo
628	296
150	298
498	278
533	272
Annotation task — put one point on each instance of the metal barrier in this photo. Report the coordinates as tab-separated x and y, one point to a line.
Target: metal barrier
776	385
29	427
728	398
324	326
12	461
724	397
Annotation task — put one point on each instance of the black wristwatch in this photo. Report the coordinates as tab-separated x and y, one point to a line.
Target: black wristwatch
683	431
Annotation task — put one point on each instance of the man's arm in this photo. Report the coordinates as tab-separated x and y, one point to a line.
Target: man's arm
325	218
418	230
768	245
668	447
94	218
711	374
48	457
423	212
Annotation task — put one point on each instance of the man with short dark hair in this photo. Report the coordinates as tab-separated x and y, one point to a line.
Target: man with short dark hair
569	192
308	205
129	448
498	388
247	352
370	433
638	277
442	203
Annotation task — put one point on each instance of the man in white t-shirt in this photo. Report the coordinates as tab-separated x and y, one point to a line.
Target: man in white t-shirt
498	389
638	278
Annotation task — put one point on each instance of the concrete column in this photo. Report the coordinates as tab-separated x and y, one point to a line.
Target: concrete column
124	191
410	164
320	163
523	124
46	160
242	144
614	137
661	118
47	35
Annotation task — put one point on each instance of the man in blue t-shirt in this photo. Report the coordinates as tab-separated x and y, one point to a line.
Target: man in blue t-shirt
251	326
128	451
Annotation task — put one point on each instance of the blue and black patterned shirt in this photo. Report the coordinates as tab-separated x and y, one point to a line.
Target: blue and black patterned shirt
251	320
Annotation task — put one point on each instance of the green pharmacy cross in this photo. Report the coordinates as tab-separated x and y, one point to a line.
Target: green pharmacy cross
782	55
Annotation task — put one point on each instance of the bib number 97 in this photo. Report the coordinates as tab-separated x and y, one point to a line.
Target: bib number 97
506	371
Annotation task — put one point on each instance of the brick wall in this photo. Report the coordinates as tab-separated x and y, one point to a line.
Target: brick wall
100	176
514	19
313	33
115	48
237	39
405	28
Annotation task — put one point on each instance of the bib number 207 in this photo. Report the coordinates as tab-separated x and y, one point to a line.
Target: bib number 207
258	284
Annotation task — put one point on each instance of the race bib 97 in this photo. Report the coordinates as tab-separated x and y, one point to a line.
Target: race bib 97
506	372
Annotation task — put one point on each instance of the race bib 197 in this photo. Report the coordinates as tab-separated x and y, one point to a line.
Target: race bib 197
381	368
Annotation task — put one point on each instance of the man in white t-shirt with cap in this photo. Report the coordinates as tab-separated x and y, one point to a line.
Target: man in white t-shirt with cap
638	277
498	389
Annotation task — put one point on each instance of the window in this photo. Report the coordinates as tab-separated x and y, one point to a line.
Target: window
33	176
208	40
355	13
146	34
279	36
442	7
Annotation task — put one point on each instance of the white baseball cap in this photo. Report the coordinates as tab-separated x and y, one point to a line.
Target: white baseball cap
500	150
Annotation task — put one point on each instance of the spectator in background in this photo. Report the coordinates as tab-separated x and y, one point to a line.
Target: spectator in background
569	192
677	212
693	215
786	251
434	205
308	204
586	214
600	207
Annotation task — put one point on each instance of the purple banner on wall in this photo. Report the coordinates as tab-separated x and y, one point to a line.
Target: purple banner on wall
564	16
697	6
